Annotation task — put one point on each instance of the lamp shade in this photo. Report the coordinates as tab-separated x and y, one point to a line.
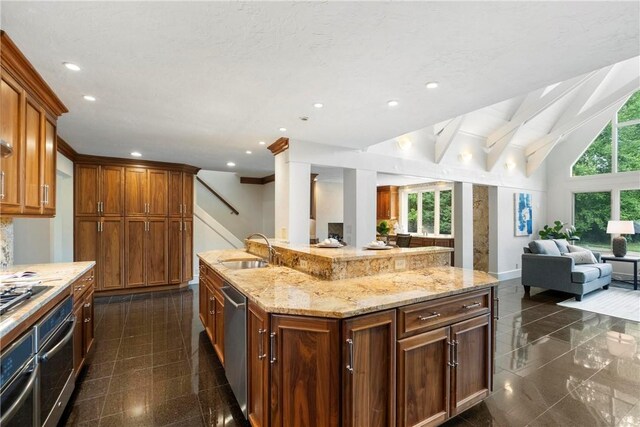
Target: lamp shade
620	227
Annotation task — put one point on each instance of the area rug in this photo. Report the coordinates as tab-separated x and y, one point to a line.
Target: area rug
617	302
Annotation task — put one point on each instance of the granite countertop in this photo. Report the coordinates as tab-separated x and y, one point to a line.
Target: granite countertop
286	291
58	276
348	253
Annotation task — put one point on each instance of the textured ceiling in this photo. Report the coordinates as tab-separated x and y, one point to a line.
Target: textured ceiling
200	83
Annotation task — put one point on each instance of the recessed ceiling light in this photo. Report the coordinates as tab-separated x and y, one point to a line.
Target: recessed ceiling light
136	154
71	66
248	151
318	105
283	129
261	142
393	103
431	85
231	164
89	98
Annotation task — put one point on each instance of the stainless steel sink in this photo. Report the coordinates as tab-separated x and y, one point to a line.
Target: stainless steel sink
245	264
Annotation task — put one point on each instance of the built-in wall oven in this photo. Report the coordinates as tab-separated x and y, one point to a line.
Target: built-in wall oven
18	384
54	349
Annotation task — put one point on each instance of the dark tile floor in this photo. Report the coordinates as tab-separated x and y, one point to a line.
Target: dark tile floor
555	366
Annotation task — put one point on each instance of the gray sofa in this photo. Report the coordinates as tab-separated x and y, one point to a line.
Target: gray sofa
543	266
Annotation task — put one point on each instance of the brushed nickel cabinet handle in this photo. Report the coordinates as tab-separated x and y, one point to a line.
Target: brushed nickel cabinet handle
272	339
2	185
181	208
261	353
472	305
431	316
496	314
350	364
212	304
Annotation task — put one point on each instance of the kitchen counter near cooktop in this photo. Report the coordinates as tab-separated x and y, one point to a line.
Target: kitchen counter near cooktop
286	291
58	276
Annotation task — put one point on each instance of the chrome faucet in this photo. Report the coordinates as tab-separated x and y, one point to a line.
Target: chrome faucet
273	254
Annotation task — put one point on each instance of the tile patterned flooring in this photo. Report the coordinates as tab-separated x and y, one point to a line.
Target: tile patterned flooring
152	365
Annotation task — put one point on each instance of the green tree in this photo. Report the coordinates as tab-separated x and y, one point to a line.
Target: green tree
592	213
597	159
631	109
412	215
445	212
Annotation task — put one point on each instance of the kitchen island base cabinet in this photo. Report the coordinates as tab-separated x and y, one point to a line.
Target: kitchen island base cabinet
305	371
258	366
83	333
369	370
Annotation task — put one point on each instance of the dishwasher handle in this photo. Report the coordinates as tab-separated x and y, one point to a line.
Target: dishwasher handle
230	298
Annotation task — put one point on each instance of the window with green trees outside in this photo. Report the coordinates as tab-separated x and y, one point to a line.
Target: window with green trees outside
630	211
592	212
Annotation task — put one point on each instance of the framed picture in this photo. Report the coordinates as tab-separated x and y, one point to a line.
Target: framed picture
524	214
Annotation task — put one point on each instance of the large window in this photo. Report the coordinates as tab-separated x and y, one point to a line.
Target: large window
617	147
428	211
592	212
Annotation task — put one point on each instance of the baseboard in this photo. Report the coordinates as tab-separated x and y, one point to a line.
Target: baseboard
506	275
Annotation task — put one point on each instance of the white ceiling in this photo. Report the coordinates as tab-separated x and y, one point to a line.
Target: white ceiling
201	82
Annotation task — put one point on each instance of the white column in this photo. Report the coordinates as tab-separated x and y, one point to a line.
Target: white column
463	224
292	199
359	206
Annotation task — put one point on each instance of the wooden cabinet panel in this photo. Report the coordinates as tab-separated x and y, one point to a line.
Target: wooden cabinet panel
33	190
176	205
202	301
87	187
187	250
135	236
187	194
210	326
49	165
85	247
111	258
10	130
423	379
369	370
382	204
471	375
218	336
112	190
306	352
78	337
88	323
258	366
136	191
158	193
175	250
157	252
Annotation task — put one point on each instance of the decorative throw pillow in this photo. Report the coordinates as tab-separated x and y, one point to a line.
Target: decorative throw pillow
574	248
562	245
582	257
544	247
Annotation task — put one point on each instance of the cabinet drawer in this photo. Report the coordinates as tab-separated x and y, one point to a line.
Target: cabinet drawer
215	279
83	284
202	269
428	315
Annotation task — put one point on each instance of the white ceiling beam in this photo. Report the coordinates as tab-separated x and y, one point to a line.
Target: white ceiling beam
535	160
446	137
495	153
523	115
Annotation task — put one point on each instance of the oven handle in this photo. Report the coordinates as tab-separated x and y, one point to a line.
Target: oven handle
48	355
9	413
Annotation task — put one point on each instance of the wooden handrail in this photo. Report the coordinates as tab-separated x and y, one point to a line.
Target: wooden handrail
233	210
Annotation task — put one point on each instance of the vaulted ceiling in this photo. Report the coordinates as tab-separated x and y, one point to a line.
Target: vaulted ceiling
201	82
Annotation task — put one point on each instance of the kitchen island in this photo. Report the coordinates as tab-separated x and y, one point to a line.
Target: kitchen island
413	347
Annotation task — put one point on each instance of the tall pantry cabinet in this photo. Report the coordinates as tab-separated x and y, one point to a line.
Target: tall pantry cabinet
135	221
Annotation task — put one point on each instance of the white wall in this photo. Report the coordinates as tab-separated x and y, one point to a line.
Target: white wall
329	206
43	240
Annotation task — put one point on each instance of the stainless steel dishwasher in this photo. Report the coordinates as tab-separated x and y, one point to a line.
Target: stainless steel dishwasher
235	343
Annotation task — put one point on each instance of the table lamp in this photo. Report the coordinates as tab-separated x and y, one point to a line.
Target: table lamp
619	244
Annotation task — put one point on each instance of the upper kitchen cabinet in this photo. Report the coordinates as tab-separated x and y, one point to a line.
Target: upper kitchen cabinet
99	190
180	194
387	202
146	192
29	110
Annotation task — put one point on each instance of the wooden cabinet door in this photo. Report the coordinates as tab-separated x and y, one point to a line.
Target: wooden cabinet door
218	338
112	250
49	167
78	336
176	204
382	204
187	194
158	196
175	250
112	190
471	375
157	252
34	138
203	302
369	370
210	326
135	239
258	366
423	379
187	250
10	132
86	194
87	322
86	244
305	371
393	202
136	190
